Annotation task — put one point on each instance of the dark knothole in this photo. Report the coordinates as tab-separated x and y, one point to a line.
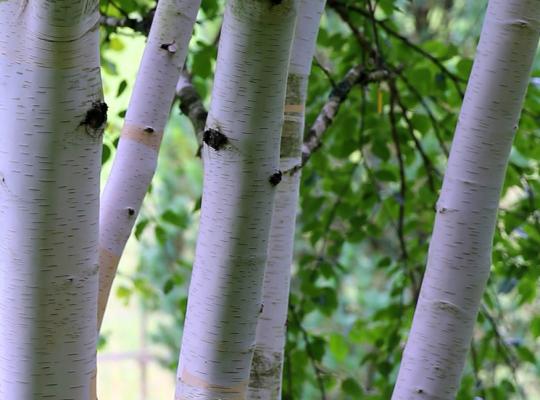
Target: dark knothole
275	178
214	138
95	118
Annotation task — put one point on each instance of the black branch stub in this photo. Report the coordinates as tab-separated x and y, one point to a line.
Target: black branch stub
215	139
275	178
95	119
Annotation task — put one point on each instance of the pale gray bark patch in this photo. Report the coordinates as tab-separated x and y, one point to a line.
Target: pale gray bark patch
266	370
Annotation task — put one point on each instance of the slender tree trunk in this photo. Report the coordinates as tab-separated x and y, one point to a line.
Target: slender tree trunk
241	161
136	159
460	251
267	365
50	154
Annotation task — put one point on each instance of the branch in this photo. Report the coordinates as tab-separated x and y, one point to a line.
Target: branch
429	112
191	105
506	350
428	165
356	76
342	9
325	71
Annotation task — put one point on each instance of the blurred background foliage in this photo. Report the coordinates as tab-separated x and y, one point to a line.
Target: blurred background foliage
367	201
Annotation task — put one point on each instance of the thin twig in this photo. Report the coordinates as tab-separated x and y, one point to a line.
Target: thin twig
403	181
428	111
428	165
343	9
325	71
506	352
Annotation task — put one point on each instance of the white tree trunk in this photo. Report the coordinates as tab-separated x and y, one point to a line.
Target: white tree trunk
50	156
460	251
267	365
241	161
136	158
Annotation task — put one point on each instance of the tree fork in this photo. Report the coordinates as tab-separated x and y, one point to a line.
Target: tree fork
224	299
267	366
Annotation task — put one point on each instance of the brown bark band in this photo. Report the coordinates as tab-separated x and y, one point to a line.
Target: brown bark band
195	381
143	135
294	108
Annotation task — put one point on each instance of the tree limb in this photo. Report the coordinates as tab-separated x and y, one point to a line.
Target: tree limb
191	105
356	76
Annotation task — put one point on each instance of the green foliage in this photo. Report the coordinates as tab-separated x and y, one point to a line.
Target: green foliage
366	206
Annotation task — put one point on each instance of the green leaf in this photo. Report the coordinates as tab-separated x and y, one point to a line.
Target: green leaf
535	326
161	234
124	293
139	228
121	87
317	348
105	154
168	286
179	219
338	347
352	388
385	175
526	355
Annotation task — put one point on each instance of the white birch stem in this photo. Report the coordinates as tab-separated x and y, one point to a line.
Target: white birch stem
50	157
267	365
136	158
460	251
241	157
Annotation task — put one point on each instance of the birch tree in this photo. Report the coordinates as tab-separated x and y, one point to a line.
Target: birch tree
460	251
136	159
241	172
53	117
267	365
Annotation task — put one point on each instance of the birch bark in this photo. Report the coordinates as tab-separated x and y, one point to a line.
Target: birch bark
241	162
267	364
460	251
136	158
50	154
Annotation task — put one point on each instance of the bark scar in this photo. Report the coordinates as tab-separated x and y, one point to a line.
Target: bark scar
170	47
275	178
215	139
95	119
